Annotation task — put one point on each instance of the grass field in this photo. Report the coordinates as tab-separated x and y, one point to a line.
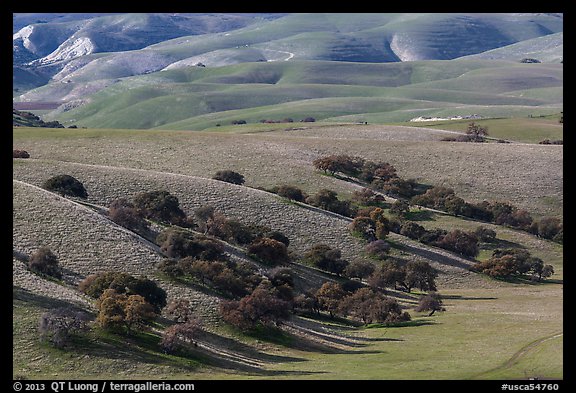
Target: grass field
196	98
491	329
528	175
478	337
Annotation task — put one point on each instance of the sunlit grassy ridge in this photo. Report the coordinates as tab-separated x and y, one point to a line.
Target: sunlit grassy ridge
529	175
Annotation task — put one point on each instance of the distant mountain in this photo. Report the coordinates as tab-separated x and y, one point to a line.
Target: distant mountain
20	20
84	61
54	38
546	49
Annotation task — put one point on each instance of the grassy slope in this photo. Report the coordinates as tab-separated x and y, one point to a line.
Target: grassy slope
465	334
196	98
527	175
548	49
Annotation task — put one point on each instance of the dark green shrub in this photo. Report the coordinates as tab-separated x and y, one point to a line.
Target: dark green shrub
262	306
161	206
20	154
367	197
229	177
485	234
328	200
359	269
96	284
278	236
412	230
170	267
124	213
549	227
326	258
291	192
363	227
463	243
66	185
179	243
378	249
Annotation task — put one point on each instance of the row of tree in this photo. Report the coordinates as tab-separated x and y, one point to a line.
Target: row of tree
383	177
308	119
379	175
376	226
500	213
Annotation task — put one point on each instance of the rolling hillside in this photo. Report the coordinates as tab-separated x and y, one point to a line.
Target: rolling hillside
297	49
529	175
63	38
115	163
196	98
165	101
547	49
51	43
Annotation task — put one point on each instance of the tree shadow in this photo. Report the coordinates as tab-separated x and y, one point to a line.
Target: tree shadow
420	215
412	323
210	339
229	354
501	243
45	302
527	280
460	297
316	336
436	256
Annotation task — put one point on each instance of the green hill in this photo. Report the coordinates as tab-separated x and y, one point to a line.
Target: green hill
134	44
28	119
106	78
547	49
200	97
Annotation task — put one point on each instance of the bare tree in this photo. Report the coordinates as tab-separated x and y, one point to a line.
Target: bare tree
57	326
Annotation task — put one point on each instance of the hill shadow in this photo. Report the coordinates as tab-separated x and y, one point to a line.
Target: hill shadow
501	243
314	335
435	256
527	280
412	323
213	339
227	353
